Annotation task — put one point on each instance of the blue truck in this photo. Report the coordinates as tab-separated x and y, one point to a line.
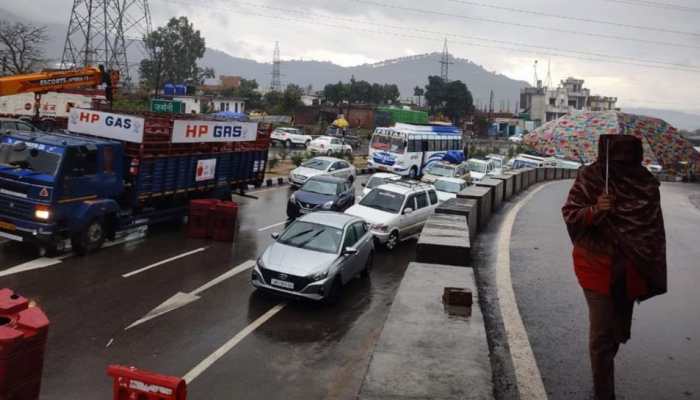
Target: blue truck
110	172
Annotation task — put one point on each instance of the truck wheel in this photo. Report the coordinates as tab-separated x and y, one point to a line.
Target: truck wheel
90	239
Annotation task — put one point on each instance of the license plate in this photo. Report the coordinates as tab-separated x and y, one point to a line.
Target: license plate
7	226
283	284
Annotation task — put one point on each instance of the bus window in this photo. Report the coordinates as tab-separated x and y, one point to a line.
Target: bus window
413	145
432	145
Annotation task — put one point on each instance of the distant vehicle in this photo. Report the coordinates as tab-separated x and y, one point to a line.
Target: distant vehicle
329	145
499	162
447	188
527	161
516	138
345	135
406	149
377	179
315	256
396	210
443	169
13	125
290	137
321	192
322	166
480	169
654	168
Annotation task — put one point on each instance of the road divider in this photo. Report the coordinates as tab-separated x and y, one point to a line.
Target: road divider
159	263
226	347
181	299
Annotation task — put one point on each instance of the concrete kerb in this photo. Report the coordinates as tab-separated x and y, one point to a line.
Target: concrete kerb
483	197
508	179
549	173
518	181
540	175
558	173
467	208
496	186
444	240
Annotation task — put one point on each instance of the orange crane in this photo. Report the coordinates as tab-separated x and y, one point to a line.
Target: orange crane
56	81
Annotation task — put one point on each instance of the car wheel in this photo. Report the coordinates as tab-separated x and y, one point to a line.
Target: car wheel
307	144
413	173
329	152
90	239
348	151
392	241
333	296
289	144
368	266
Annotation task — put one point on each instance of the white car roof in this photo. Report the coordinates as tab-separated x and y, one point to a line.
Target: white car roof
322	158
325	138
404	188
386	175
327	218
452	180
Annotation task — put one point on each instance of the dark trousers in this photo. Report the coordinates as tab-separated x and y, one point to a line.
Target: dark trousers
610	325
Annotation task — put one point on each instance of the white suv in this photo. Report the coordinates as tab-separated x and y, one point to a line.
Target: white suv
329	145
397	210
290	137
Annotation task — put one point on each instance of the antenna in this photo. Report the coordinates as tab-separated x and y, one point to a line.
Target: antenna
100	31
536	78
276	84
445	63
548	80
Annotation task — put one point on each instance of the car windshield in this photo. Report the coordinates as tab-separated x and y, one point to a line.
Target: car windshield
440	170
393	144
383	200
317	163
446	186
321	187
33	159
477	166
309	236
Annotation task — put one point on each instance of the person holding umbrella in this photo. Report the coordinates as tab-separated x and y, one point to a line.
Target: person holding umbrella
613	216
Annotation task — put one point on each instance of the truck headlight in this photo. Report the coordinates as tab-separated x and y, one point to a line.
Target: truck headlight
42	212
327	205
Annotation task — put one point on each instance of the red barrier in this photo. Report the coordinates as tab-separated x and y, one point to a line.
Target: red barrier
23	332
199	221
223	221
134	384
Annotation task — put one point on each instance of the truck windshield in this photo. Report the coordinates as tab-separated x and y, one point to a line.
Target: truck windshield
34	159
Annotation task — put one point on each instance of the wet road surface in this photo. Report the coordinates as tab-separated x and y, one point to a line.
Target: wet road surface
304	350
662	360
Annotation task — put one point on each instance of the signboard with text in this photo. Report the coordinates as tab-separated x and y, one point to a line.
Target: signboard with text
107	125
167	106
191	131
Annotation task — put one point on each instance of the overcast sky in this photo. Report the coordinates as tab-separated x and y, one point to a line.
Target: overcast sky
350	32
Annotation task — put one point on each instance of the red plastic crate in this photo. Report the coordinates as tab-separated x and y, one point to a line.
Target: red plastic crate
223	221
200	217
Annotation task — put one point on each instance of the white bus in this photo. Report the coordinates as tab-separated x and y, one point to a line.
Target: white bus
406	149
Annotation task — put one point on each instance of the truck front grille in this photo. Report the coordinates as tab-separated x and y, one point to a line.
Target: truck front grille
17	208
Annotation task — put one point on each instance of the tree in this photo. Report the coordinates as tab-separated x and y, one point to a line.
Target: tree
452	99
336	93
435	93
418	92
391	94
173	53
291	98
21	47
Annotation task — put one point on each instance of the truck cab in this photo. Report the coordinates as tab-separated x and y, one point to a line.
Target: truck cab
55	187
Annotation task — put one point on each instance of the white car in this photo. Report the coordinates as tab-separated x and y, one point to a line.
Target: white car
290	137
329	145
498	163
447	188
377	179
322	166
442	169
480	169
516	138
396	211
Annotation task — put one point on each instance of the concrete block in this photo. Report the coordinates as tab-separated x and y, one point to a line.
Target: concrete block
549	173
508	179
444	240
425	353
518	182
467	208
540	174
483	197
497	193
559	173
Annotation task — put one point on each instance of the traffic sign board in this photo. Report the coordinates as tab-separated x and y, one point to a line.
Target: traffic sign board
167	106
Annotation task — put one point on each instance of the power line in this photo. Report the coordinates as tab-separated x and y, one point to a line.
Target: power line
544	51
645	28
546	29
657	4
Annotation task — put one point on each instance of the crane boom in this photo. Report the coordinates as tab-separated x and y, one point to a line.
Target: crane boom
42	82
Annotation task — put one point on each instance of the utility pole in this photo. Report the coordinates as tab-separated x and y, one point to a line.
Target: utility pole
536	78
445	63
276	84
491	106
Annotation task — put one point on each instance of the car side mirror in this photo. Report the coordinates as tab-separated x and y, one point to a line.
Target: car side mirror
407	211
275	235
350	251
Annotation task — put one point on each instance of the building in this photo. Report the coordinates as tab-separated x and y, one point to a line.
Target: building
543	104
209	104
225	82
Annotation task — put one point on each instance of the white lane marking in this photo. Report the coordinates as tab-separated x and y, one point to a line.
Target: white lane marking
167	260
226	347
38	263
527	373
181	299
276	187
272	226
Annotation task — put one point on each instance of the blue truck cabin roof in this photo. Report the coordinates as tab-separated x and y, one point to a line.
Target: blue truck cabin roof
54	139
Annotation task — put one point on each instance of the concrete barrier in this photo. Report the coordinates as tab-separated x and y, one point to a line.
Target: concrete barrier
549	173
497	191
525	173
467	208
508	179
482	195
444	240
559	173
540	174
532	177
518	182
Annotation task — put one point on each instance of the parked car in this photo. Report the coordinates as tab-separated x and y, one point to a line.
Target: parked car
329	145
499	162
321	192
315	256
322	166
480	169
516	138
377	179
344	135
447	188
290	137
396	210
16	125
445	169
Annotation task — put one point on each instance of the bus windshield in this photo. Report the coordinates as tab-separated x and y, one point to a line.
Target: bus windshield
392	144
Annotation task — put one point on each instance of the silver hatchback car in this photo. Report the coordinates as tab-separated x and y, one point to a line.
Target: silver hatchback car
315	256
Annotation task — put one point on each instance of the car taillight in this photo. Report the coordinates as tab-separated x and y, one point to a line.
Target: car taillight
134	167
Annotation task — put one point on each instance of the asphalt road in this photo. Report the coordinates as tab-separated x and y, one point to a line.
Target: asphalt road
293	349
662	360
